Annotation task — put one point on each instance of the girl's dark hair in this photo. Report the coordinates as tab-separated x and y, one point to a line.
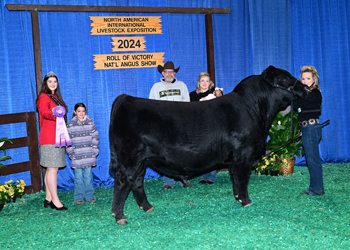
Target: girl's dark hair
79	105
46	90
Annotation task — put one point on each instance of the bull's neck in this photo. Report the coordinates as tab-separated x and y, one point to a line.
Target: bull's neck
263	107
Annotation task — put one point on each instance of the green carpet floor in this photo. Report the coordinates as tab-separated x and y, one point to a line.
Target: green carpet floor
200	217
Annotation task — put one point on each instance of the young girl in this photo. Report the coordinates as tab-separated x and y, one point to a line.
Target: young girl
83	152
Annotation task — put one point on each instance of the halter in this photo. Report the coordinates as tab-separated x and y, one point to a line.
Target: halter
289	89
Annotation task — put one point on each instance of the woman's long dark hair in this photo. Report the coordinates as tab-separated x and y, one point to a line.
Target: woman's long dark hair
46	90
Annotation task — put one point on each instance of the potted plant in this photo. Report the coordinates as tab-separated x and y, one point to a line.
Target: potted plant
281	143
275	165
17	187
261	167
269	163
10	191
6	194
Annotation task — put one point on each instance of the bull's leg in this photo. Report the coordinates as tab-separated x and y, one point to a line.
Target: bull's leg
140	195
234	182
240	179
122	185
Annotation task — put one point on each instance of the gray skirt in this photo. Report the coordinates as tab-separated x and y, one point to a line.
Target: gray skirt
52	157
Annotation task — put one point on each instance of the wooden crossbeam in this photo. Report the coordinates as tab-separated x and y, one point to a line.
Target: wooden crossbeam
115	9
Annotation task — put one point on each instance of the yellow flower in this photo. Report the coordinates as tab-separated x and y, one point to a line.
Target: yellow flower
9	182
267	162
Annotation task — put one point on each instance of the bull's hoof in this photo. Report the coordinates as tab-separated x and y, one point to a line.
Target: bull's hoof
122	221
247	203
150	210
236	197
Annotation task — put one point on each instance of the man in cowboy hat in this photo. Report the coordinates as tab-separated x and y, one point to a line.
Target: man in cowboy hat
169	89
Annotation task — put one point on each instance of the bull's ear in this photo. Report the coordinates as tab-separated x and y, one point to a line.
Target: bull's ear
270	70
269	74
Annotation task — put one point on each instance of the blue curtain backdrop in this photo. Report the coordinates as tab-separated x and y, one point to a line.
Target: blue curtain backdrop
254	35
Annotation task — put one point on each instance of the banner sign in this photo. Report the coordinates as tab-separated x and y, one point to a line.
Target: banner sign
128	44
121	25
127	61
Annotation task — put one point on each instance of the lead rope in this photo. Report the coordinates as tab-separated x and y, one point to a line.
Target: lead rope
292	122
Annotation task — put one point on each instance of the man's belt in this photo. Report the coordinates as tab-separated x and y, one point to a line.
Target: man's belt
309	122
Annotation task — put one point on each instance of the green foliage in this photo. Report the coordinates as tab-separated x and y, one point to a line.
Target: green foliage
4	157
280	135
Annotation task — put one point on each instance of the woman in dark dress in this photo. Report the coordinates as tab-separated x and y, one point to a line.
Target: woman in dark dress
204	87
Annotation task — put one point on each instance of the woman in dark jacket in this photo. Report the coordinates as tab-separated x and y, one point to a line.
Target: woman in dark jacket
204	87
309	110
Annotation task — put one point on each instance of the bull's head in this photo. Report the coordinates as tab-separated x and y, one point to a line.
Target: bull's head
282	79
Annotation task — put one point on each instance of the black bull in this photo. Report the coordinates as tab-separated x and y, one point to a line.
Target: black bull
183	140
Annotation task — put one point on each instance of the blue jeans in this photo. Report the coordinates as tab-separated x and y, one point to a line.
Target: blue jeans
211	176
311	137
83	187
170	182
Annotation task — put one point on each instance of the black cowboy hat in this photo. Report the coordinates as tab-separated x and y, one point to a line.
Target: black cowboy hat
167	65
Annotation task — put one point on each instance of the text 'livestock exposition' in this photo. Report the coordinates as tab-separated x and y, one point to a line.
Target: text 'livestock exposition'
125	25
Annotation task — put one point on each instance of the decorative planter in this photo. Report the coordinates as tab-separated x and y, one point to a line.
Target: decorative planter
288	167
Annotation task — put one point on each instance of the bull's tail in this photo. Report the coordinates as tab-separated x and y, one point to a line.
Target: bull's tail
114	161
